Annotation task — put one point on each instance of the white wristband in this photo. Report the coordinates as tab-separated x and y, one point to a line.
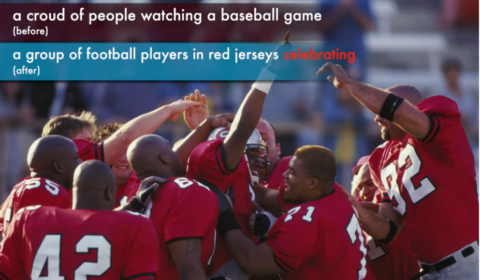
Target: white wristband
264	81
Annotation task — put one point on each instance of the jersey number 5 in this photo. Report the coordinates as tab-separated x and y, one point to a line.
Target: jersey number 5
49	254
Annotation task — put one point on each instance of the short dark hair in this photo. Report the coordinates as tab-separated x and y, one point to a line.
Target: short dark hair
70	124
105	131
451	63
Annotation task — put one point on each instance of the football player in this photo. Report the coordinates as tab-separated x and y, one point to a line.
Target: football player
222	161
88	241
126	180
52	161
184	211
425	164
320	238
395	260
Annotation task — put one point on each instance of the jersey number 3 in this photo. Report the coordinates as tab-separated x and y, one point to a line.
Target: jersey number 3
49	254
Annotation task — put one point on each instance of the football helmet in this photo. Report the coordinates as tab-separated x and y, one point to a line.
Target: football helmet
256	152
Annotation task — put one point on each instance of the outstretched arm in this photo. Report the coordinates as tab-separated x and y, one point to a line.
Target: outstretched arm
253	260
409	118
118	143
249	113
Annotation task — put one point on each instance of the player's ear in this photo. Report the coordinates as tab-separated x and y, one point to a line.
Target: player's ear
57	166
279	150
110	193
165	158
313	183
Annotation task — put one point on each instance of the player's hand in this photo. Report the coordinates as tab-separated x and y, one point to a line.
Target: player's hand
148	187
340	78
261	223
180	106
221	120
196	115
275	66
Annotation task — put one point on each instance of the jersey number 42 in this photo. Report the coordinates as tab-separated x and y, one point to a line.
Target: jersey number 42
48	254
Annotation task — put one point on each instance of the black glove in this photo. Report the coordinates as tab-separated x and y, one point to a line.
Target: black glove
262	224
147	187
226	221
221	278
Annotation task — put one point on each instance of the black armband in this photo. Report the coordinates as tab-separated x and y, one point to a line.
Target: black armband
227	222
390	106
391	233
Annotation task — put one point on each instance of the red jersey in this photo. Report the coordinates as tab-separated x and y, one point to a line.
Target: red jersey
33	191
182	209
432	182
394	261
313	242
79	244
127	191
206	165
89	150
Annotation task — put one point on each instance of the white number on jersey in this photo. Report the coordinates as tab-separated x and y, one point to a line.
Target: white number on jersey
416	193
51	187
426	187
354	232
49	252
184	183
375	251
389	179
307	217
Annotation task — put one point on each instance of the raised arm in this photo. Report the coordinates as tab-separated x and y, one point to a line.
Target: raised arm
250	111
184	147
117	144
381	102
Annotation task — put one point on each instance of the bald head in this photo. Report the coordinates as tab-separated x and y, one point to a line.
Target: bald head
54	157
94	186
152	155
407	92
47	149
93	174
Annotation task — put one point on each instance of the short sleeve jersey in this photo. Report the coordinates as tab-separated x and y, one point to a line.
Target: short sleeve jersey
79	244
183	209
33	191
313	241
425	179
88	150
206	165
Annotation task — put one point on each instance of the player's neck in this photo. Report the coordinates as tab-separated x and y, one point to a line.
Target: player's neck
90	205
46	175
164	173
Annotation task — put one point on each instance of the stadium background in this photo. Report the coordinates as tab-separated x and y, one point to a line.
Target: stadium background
408	44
